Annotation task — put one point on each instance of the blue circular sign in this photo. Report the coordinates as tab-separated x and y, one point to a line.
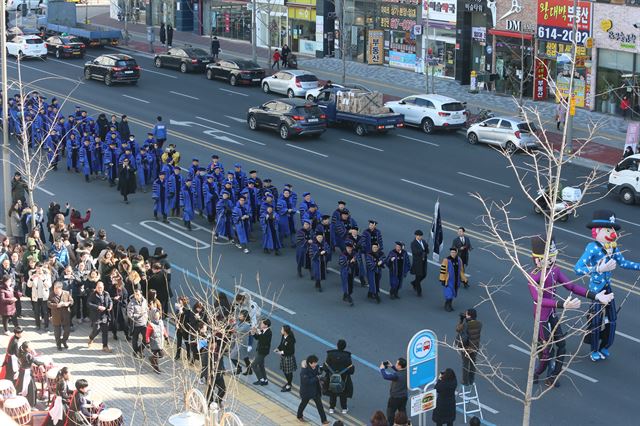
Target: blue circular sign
422	347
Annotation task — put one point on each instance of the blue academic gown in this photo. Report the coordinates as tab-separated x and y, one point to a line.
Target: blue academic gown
224	225
160	195
318	261
374	271
397	272
73	145
187	202
286	222
270	236
210	199
304	206
368	237
98	158
143	167
85	159
175	185
111	163
347	269
242	227
302	248
198	183
252	197
341	231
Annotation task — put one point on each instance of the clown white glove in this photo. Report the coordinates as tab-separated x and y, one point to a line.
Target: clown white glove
249	348
607	266
571	303
603	298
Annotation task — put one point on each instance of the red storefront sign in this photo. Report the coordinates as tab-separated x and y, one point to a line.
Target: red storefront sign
227	23
559	13
540	80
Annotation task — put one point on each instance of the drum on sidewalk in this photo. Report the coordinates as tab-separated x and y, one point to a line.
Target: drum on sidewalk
97	406
18	409
52	375
39	375
111	417
7	390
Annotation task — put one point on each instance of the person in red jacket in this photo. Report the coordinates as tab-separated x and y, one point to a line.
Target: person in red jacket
276	59
77	221
625	106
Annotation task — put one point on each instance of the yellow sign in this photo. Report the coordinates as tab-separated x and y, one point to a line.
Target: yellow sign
588	44
606	25
572	105
376	47
302	14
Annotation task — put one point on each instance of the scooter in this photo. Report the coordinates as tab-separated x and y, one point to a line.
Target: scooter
564	207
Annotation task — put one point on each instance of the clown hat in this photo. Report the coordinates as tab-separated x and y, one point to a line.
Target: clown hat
537	246
603	219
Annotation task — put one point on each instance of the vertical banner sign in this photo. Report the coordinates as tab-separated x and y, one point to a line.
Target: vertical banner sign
422	355
541	86
376	40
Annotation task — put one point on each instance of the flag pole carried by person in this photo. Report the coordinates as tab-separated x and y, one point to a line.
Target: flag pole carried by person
436	235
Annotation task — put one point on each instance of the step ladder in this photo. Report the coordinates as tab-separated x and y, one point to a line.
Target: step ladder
470	401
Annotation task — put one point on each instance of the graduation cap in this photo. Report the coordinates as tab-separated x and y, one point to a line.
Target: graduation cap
202	169
344	211
252	172
251	181
306	221
285	189
226	192
375	222
399	243
78	107
268	194
149	134
313	206
237	165
163	173
267	180
288	185
112	142
342	202
348	244
209	176
215	157
319	233
326	217
242	197
195	159
176	168
304	194
354	228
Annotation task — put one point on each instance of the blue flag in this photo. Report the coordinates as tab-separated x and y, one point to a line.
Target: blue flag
437	236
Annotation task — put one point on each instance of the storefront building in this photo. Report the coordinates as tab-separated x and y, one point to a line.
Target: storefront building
512	47
554	35
617	45
439	36
272	23
473	53
399	20
230	19
302	26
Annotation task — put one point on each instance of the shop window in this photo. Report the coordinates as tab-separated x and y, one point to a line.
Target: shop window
613	59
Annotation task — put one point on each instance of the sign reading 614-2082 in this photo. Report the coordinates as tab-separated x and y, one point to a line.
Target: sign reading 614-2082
561	35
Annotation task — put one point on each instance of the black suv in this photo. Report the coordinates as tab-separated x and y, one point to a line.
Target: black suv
113	68
289	117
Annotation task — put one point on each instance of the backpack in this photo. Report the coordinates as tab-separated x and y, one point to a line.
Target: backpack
336	385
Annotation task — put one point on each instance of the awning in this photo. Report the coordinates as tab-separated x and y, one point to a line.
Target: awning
510	34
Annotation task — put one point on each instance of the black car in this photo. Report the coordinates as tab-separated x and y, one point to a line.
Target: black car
65	47
183	58
289	117
113	68
236	72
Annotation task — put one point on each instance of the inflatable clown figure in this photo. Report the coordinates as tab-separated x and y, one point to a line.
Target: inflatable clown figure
599	259
551	333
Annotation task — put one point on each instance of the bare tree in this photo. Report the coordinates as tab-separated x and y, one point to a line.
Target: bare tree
264	13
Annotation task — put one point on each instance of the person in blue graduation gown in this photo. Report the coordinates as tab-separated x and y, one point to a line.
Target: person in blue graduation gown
341	228
304	204
371	235
286	209
399	264
143	163
325	227
319	251
160	195
72	146
348	270
175	186
252	195
304	238
375	264
111	163
241	223
210	198
85	159
187	197
270	235
359	252
224	211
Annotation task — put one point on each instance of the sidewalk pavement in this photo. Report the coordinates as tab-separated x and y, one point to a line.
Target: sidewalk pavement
145	398
603	151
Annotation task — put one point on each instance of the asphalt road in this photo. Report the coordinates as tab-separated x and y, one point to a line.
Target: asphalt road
395	178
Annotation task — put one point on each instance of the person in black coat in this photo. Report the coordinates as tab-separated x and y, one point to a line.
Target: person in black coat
163	33
310	388
103	126
463	244
215	47
169	35
124	130
445	411
420	255
339	361
100	307
160	282
126	180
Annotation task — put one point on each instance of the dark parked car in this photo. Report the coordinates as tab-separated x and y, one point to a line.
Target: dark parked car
113	68
183	58
236	72
65	47
289	117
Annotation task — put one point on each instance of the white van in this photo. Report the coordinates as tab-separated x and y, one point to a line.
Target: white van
624	179
19	4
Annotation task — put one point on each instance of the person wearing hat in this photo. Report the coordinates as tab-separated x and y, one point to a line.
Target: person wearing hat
240	218
325	227
228	186
123	128
111	162
252	195
286	209
210	190
160	196
85	159
128	154
253	174
143	163
348	270
171	155
313	215
224	211
193	169
599	259
304	204
98	156
304	239
52	146
175	186
267	186
215	162
126	180
551	333
235	186
359	252
270	236
135	148
267	200
372	235
240	176
375	263
419	261
318	252
199	181
72	146
398	263
341	228
10	365
451	275
187	199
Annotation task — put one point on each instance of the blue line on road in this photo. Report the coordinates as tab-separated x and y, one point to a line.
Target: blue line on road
295	327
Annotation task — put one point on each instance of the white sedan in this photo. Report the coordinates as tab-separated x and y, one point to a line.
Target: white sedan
27	45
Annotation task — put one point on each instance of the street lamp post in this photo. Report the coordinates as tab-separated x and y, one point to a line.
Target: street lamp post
254	31
6	153
571	100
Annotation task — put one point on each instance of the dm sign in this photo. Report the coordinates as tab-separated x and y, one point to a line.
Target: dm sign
422	353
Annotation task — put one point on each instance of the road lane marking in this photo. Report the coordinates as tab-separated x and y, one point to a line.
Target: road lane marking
46	72
203	245
577	234
239	120
264	299
568	370
182	94
66	63
233	91
626	336
307	150
419	140
361	144
159	73
133	234
136	99
211	121
46	191
426	187
626	221
213	133
484	180
314	180
2	229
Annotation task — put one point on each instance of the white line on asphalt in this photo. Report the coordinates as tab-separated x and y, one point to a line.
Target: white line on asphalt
426	187
66	63
136	99
234	92
182	94
239	120
484	180
2	229
215	134
211	131
357	280
46	191
46	72
133	234
203	245
307	150
419	140
626	336
568	370
269	301
159	73
531	170
211	121
572	232
626	221
361	144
